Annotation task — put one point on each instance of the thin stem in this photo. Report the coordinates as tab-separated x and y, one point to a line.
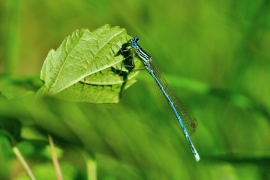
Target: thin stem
91	165
55	160
24	163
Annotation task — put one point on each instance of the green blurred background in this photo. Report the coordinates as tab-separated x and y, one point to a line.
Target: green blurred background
214	54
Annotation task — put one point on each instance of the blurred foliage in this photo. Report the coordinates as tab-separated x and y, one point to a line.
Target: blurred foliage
214	54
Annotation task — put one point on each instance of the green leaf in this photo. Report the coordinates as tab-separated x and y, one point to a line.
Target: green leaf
85	67
17	87
109	77
91	93
11	128
99	88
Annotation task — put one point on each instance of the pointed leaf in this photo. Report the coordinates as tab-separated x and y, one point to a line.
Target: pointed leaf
84	53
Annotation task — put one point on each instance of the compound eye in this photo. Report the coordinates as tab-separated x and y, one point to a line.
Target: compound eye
133	44
136	38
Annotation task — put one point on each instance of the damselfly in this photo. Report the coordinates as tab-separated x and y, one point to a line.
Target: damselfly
181	114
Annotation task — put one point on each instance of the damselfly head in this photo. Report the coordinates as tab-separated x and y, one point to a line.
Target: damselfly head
134	41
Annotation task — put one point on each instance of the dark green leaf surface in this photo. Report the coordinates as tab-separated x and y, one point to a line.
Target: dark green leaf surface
11	128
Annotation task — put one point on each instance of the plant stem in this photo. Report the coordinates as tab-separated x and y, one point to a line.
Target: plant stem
24	163
91	165
55	160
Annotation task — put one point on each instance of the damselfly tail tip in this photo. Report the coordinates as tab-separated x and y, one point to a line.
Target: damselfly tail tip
197	157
